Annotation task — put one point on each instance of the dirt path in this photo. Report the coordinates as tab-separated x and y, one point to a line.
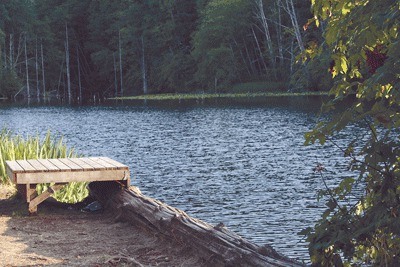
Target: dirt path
66	237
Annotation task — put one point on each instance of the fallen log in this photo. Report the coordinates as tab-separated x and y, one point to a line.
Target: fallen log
215	244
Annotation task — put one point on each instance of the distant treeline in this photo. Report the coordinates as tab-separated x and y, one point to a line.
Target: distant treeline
81	49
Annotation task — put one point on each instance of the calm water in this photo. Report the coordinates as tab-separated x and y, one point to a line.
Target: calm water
243	164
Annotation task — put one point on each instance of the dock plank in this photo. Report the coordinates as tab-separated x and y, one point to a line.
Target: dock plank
26	166
61	166
37	165
12	169
81	163
94	164
48	165
14	166
71	164
106	164
114	162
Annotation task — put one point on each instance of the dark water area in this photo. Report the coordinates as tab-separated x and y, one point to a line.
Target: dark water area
240	162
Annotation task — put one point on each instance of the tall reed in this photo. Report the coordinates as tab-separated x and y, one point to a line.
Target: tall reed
14	147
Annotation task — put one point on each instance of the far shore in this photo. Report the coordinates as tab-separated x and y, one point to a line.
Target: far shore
200	96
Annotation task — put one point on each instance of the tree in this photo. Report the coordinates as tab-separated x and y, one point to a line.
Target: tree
102	44
264	23
361	226
17	22
216	37
146	46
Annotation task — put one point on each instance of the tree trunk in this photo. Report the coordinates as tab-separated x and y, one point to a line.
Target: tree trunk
115	77
292	56
242	57
216	244
27	72
253	70
259	50
144	68
279	33
120	61
43	77
264	23
59	79
11	52
79	75
5	56
67	65
1	62
293	18
37	73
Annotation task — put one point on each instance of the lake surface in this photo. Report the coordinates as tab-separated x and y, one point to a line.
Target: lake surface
242	163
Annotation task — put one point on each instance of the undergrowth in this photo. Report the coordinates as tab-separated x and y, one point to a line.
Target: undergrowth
15	147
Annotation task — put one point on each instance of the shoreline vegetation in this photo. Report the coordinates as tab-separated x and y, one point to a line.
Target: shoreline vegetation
16	147
209	96
201	96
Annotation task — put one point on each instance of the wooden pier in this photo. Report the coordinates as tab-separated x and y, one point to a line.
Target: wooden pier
26	174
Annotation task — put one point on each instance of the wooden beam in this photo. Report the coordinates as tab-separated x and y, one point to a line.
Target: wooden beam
73	176
216	244
42	197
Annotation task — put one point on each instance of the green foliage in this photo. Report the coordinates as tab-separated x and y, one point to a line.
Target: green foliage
170	46
13	147
9	83
318	78
213	50
361	226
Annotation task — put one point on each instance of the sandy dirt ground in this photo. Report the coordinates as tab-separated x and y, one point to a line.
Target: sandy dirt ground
62	235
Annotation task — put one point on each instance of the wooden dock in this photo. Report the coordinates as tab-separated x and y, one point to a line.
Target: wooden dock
26	174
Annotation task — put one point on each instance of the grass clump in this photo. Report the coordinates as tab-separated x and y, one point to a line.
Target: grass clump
14	147
259	87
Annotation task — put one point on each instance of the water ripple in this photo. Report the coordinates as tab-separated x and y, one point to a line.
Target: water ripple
245	167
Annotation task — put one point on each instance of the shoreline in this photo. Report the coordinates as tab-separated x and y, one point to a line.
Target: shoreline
179	96
63	235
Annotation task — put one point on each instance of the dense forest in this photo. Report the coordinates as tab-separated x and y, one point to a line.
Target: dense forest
83	49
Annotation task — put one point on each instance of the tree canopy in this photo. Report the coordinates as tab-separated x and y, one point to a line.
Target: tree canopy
361	224
88	48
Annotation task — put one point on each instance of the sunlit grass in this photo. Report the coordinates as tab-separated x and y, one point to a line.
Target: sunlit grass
14	147
215	96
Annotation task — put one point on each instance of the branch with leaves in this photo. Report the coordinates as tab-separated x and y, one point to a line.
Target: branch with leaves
362	40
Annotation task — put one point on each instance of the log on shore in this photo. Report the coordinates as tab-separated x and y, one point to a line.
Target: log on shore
215	244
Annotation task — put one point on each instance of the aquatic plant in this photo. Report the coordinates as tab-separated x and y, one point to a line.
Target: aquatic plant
14	147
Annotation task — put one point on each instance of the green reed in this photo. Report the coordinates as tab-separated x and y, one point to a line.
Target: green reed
14	147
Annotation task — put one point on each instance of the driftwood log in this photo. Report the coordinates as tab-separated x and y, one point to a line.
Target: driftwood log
215	244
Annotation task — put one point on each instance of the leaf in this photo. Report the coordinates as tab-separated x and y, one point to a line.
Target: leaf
343	64
331	35
346	184
305	231
331	204
346	8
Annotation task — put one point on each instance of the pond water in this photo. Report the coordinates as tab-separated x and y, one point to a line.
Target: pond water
242	163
